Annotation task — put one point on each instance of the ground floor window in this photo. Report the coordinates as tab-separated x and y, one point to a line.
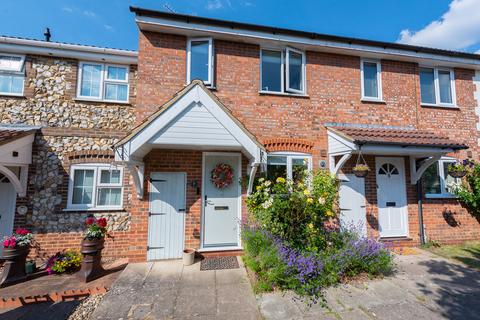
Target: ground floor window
95	186
289	166
438	183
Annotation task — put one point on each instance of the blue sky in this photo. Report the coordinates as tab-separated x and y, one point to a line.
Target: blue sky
451	24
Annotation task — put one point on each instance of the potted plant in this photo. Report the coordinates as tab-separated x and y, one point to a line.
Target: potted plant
15	252
68	261
91	249
361	170
457	169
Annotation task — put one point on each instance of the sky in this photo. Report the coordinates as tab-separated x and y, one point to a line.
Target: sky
448	24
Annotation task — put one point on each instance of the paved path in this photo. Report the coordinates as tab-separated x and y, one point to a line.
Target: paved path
425	287
168	290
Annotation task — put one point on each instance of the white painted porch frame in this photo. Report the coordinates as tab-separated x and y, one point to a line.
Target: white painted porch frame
341	146
24	148
132	152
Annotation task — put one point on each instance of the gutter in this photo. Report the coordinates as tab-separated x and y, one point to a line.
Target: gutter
29	46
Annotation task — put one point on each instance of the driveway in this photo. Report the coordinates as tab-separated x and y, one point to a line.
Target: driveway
168	290
424	287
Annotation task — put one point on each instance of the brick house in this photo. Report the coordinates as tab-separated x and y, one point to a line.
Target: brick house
263	101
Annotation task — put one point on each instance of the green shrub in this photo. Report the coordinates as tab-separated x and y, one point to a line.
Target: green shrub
469	192
295	211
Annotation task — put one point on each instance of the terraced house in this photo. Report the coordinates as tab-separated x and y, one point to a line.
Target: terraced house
85	132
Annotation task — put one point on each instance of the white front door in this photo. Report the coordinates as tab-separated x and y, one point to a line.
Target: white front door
221	206
352	203
167	215
391	197
8	197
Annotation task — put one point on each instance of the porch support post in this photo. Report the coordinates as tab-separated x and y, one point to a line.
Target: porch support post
334	168
137	169
416	174
253	171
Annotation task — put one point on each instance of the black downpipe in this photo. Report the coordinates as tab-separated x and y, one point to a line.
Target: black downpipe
420	210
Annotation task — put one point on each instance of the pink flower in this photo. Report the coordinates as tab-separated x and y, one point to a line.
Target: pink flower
13	242
22	231
6	242
89	221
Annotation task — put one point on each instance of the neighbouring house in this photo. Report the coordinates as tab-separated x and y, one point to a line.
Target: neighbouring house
166	153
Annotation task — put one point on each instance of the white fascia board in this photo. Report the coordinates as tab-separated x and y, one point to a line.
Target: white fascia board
11	45
404	150
24	148
336	141
196	29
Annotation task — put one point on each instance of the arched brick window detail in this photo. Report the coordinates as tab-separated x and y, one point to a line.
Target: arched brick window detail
86	156
288	144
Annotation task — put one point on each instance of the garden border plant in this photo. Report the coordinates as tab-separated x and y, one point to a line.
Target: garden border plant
293	241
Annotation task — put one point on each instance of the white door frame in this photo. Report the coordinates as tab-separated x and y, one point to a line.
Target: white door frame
404	187
239	200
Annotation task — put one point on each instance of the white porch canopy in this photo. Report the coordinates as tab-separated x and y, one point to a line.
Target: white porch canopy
16	154
422	147
193	119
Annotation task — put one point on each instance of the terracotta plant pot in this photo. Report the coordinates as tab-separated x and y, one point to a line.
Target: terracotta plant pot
360	173
457	174
188	257
14	267
92	260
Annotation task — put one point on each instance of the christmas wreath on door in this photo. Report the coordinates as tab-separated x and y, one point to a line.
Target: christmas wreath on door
222	175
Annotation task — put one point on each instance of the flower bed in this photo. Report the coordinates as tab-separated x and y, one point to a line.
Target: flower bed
293	241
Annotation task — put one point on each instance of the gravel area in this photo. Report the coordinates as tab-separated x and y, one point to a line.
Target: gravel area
85	309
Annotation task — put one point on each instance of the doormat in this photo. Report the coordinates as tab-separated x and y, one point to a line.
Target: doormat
219	263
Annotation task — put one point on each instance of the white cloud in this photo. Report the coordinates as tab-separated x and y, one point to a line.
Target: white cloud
457	29
108	27
89	13
67	9
217	4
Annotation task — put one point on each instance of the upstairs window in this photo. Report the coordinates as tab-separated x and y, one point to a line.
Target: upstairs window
200	60
438	183
12	74
103	82
95	186
282	71
437	86
371	80
289	166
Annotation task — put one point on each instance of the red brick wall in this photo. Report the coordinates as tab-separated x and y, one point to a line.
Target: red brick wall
334	95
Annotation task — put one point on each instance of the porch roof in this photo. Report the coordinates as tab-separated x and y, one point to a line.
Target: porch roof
192	119
422	147
396	136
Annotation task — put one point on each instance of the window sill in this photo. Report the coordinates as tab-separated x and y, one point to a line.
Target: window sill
440	196
101	101
443	106
8	95
285	94
373	100
94	209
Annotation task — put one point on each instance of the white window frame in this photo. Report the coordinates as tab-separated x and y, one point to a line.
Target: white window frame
97	168
379	80
103	80
436	86
14	72
290	156
209	82
443	189
285	90
287	70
